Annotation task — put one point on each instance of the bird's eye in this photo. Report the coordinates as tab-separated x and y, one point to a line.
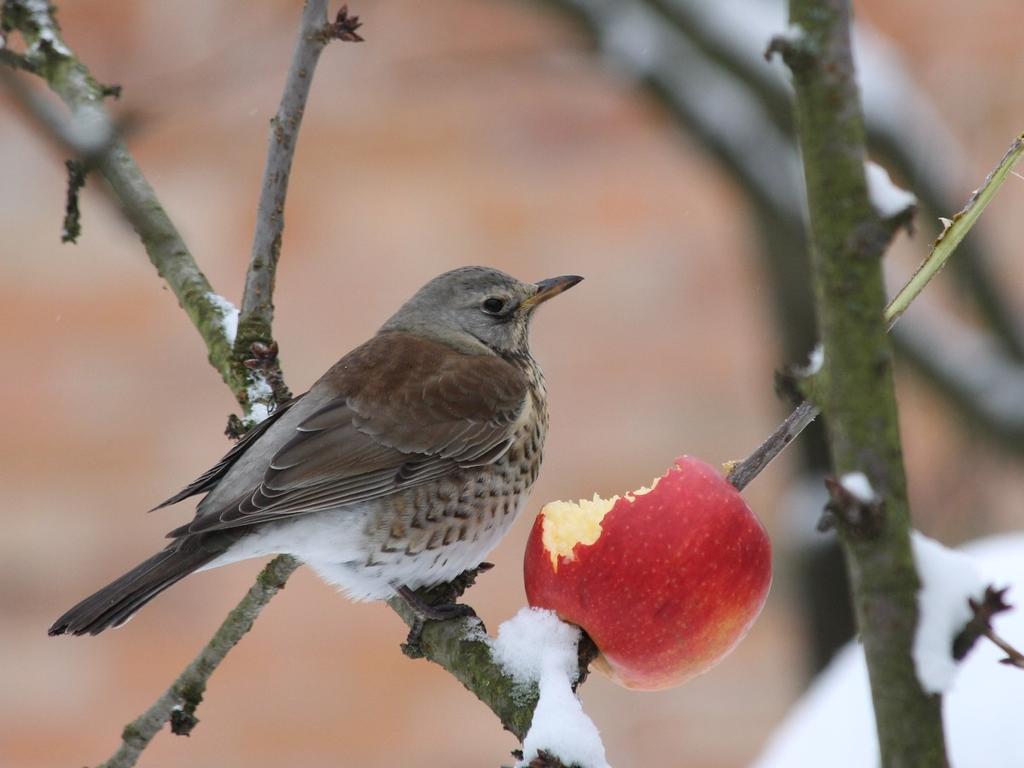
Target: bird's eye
493	305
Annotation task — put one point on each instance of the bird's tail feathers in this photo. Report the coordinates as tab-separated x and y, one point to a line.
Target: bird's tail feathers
118	601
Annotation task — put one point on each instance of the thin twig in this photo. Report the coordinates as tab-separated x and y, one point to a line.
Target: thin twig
266	387
257	310
743	472
962	223
992	603
179	702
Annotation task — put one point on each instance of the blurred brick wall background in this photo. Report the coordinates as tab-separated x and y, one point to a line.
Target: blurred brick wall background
462	132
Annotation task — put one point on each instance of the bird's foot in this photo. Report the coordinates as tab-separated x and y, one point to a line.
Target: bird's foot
437	604
433	610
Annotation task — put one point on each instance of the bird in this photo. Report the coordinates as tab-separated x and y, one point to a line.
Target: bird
400	468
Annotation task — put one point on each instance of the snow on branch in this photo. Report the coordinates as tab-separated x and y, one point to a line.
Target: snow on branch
888	200
536	647
949	581
832	723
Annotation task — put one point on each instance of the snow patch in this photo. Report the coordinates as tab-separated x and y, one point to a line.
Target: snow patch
260	397
833	724
536	646
886	198
815	361
39	10
948	579
228	315
857	485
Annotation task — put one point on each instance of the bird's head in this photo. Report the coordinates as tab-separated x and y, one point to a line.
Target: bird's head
473	306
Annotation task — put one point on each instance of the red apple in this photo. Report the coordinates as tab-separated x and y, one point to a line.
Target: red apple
666	580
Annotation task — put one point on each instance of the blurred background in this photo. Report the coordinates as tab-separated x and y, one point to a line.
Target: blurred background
645	144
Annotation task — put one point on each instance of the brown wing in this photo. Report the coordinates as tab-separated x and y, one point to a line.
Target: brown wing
406	411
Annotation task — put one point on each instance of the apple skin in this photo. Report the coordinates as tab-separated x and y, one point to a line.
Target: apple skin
671	585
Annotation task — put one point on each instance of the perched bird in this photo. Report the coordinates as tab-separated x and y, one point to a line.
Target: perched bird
400	468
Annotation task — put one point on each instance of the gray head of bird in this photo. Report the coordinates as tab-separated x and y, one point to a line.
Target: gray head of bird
476	309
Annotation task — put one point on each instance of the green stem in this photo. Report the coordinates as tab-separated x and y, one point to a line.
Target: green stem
951	236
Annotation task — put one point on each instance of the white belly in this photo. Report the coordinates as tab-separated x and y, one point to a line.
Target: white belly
335	545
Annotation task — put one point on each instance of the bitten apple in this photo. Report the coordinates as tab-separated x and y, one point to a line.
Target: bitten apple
666	580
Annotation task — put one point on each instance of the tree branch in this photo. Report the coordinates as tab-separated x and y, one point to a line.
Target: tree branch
741	473
179	702
978	379
71	80
459	647
656	40
257	310
856	388
462	647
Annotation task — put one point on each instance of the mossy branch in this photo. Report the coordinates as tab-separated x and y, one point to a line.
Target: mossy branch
461	646
855	387
53	60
